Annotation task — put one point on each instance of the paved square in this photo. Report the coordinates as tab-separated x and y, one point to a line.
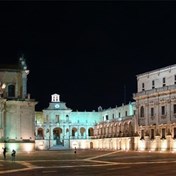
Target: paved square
89	162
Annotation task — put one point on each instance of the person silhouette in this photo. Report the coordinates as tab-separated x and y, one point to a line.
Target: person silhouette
4	152
13	155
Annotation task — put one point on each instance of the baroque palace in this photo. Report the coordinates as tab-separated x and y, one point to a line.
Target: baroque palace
147	123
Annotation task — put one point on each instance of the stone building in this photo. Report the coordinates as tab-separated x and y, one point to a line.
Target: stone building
117	129
58	127
17	110
148	123
156	109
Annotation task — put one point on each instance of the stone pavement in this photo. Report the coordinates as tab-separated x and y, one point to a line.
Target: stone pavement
39	161
27	161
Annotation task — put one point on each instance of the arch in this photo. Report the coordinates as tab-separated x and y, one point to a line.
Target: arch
74	130
120	129
110	129
114	129
125	129
82	131
40	133
90	132
11	90
67	130
112	124
56	133
130	127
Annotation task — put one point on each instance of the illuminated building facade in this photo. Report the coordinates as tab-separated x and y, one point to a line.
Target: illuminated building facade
58	127
156	109
148	123
17	110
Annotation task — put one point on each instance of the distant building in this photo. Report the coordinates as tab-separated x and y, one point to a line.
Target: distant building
58	127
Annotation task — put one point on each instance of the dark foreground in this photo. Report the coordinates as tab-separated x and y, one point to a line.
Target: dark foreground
89	163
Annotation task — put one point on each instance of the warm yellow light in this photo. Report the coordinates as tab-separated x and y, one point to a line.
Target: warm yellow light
3	86
163	145
142	145
153	146
174	145
28	147
41	145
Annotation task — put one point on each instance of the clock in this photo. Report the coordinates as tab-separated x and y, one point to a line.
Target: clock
57	106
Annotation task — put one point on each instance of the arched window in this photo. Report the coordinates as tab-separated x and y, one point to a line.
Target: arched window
11	90
56	133
82	131
74	130
40	133
142	111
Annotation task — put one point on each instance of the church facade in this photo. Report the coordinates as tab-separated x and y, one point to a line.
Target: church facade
17	110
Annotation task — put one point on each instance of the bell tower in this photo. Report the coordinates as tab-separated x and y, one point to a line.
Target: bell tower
25	72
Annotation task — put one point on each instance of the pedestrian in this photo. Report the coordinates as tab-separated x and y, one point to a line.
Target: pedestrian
13	155
4	152
75	150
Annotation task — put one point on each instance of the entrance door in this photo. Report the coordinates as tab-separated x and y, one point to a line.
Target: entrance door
91	145
56	135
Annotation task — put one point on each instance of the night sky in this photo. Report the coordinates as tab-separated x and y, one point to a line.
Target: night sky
88	52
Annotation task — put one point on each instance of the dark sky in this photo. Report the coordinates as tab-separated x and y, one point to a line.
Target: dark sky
87	51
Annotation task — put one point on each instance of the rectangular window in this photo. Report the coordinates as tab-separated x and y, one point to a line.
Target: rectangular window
119	114
163	133
143	87
142	134
174	133
134	112
106	117
152	112
164	82
153	84
152	134
113	116
57	118
126	113
175	79
162	110
174	108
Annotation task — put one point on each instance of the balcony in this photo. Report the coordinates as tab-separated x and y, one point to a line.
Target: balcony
154	91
